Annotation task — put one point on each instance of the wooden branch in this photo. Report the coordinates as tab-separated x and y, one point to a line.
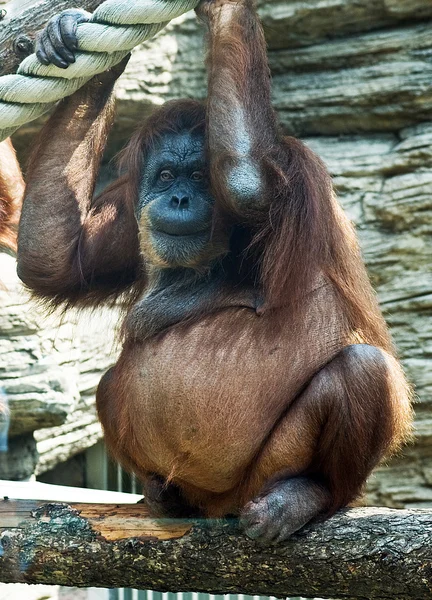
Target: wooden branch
362	553
23	19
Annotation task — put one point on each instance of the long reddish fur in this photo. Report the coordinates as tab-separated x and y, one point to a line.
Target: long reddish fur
304	233
307	231
11	191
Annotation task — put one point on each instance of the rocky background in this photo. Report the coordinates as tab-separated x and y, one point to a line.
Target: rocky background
353	79
49	370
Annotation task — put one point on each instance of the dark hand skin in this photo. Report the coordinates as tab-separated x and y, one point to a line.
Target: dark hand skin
57	43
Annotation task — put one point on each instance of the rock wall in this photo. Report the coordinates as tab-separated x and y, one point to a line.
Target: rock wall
49	371
353	79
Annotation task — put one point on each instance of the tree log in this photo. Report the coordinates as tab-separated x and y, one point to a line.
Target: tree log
24	18
375	553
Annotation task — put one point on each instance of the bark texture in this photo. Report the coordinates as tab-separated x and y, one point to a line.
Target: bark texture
361	553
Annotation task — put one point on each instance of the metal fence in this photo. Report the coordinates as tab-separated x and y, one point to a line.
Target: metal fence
125	594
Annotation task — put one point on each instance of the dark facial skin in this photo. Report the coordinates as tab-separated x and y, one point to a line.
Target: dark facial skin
175	206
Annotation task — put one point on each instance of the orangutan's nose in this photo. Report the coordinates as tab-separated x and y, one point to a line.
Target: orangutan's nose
180	202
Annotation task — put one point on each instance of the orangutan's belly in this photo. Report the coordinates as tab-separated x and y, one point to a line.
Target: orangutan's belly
202	398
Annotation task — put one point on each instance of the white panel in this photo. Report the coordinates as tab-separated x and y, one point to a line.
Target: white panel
97	594
34	490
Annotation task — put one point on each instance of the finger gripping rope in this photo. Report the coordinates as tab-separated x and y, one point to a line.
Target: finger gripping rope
114	29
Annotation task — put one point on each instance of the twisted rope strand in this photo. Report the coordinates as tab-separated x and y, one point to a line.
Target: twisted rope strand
115	27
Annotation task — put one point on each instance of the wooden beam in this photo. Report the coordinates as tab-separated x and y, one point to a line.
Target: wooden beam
23	19
111	521
362	553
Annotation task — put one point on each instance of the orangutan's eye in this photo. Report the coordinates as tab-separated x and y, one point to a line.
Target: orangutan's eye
166	175
197	176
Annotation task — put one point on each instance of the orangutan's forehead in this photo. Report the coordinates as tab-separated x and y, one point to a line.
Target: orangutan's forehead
181	146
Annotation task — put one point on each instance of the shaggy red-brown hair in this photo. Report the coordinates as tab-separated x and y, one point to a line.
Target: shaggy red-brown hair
11	192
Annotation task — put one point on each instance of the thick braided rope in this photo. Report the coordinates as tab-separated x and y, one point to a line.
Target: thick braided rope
114	29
